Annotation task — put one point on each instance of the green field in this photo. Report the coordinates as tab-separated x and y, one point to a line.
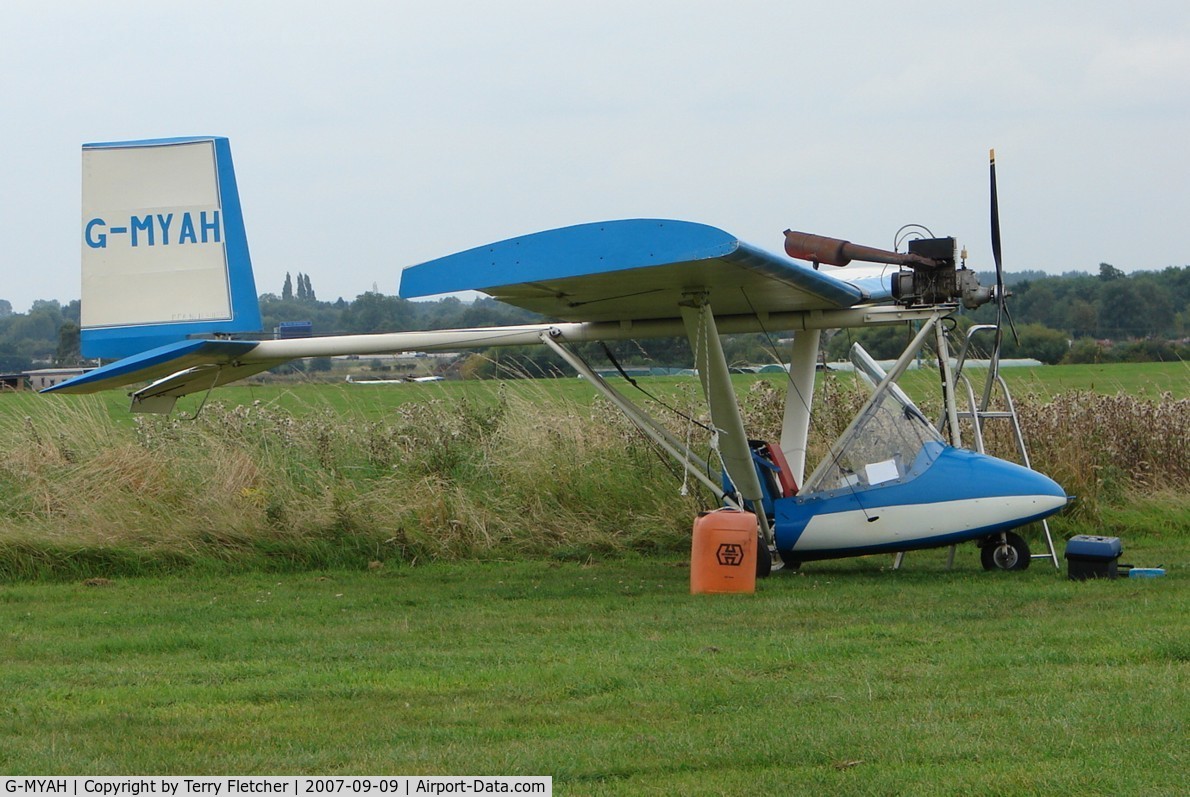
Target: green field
1150	380
848	679
462	578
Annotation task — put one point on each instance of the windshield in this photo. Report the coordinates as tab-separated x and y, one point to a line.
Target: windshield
888	440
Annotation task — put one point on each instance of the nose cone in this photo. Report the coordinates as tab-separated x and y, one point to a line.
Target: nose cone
1050	488
1020	494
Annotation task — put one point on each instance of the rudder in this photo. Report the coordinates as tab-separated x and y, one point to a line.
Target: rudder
164	249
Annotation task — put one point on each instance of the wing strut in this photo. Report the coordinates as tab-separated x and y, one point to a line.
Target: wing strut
725	410
695	465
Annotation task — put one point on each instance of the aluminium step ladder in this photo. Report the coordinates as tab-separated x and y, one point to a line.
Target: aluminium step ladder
977	414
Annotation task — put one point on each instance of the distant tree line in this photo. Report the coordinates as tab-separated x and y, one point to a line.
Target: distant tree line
1076	317
47	334
1111	305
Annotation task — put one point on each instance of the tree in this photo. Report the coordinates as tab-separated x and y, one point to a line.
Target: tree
1159	316
373	312
13	360
1036	302
1081	318
68	352
1118	306
1039	342
5	308
287	288
35	334
305	291
1085	351
1108	272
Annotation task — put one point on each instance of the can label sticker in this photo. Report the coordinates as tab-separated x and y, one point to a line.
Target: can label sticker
730	554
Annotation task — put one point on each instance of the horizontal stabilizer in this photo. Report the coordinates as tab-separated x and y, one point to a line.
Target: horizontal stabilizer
631	270
164	361
160	396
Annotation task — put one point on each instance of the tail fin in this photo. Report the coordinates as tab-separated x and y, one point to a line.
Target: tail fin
165	255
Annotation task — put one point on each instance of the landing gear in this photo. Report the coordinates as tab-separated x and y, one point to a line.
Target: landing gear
764	558
1005	551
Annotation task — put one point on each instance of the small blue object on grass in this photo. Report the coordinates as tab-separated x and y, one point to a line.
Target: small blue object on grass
1092	556
1146	572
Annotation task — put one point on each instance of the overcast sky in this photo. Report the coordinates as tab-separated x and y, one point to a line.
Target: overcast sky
369	136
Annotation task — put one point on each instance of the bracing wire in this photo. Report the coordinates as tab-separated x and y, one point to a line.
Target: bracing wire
628	377
653	446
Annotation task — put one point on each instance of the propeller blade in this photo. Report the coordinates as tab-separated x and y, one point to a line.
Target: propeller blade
1001	307
1001	294
996	229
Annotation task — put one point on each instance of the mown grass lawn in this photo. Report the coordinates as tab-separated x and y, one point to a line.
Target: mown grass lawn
847	679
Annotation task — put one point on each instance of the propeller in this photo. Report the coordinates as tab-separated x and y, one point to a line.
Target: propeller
1001	293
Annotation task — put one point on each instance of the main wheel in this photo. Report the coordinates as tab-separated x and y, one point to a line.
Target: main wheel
764	558
1005	551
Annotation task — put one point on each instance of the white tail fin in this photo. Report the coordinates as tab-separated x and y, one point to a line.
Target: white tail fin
165	255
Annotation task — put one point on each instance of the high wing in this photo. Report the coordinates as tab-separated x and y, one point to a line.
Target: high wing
636	269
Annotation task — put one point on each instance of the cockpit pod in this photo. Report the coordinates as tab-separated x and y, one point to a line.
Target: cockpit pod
880	487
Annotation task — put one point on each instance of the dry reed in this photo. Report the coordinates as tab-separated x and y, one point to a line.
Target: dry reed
250	486
434	480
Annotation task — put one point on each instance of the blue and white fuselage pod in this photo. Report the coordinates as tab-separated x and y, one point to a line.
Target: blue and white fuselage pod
946	496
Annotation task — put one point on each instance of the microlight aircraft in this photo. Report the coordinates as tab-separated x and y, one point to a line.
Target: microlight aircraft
168	290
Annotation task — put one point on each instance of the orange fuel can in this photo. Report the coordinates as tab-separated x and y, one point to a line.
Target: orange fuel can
723	552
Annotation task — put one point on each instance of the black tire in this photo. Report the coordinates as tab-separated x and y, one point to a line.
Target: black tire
1005	551
764	559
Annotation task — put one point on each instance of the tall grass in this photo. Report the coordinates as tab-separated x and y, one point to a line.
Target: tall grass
511	474
256	486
